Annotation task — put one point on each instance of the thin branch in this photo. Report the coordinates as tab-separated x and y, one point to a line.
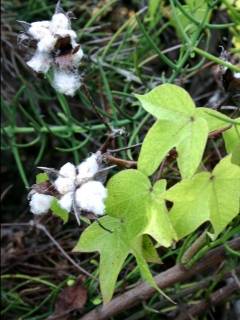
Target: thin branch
120	162
100	116
215	298
165	279
41	227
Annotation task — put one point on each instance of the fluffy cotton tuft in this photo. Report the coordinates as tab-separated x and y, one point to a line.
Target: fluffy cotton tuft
66	82
39	29
66	201
56	38
90	197
59	21
88	168
237	75
66	181
77	57
68	170
40	62
40	203
47	44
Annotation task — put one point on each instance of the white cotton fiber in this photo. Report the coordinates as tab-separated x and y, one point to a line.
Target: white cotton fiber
59	21
88	168
237	75
66	82
90	197
66	201
40	203
77	57
47	44
39	29
40	62
68	170
66	181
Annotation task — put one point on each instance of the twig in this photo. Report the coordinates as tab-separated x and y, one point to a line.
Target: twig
183	293
44	229
215	298
102	119
125	148
165	279
120	162
47	233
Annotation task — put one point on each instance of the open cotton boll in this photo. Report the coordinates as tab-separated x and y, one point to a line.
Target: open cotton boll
40	62
40	203
66	201
66	82
39	29
47	44
88	168
90	197
59	21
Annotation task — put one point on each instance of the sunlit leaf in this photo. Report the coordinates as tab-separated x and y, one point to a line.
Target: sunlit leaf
207	196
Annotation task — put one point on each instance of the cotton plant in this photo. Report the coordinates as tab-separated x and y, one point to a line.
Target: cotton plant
77	188
56	49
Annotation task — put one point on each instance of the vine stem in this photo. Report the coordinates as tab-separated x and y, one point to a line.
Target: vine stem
211	57
197	244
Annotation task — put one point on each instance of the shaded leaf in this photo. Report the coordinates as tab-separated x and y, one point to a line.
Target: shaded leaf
41	177
149	251
58	211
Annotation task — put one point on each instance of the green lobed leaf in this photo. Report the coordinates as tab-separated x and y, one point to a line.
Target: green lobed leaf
113	247
180	125
135	209
167	102
214	197
131	198
58	211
